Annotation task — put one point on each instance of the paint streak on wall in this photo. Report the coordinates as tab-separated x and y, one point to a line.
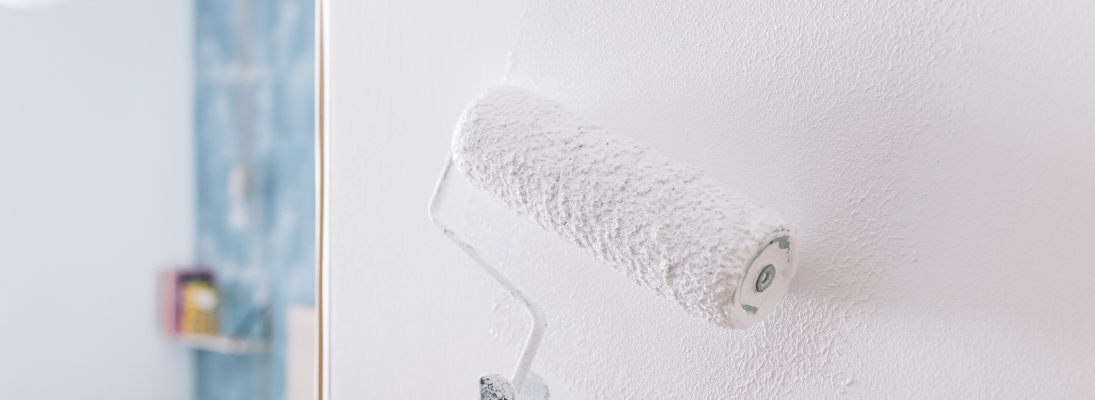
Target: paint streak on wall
254	125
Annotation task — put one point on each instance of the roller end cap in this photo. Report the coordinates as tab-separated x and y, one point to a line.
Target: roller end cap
766	279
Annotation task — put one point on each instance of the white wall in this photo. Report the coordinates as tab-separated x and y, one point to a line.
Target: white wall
96	164
936	158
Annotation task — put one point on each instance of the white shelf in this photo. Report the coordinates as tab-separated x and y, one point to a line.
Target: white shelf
224	344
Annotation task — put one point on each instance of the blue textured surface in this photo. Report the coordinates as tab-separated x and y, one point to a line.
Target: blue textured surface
254	110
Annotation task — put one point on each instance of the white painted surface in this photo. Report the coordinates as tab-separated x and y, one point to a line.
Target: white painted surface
300	353
96	165
936	159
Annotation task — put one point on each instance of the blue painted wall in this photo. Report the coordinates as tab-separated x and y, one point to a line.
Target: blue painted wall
254	123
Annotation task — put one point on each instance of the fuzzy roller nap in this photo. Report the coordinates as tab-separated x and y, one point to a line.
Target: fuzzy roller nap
662	223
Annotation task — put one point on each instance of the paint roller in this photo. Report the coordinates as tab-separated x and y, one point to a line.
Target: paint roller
663	224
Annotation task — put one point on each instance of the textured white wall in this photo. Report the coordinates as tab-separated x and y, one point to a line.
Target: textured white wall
96	168
934	156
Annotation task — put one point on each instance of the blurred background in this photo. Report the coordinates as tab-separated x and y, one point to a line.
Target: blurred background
157	217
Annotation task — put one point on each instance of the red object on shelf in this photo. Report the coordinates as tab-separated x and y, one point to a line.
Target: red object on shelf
172	281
